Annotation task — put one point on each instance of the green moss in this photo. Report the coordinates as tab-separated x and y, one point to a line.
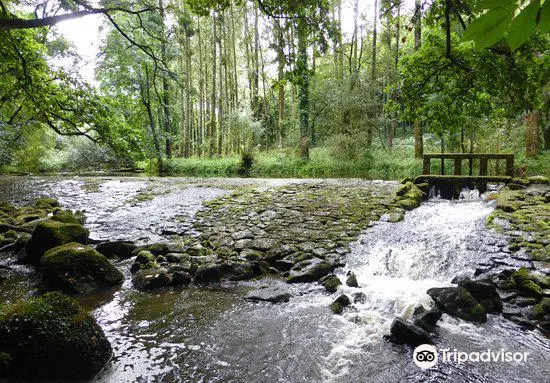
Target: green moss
67	216
46	203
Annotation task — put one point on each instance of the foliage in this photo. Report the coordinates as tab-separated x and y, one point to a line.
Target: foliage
514	21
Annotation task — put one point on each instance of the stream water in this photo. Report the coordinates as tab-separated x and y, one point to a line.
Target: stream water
214	335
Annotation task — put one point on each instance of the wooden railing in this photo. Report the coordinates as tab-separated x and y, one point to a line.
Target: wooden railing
459	157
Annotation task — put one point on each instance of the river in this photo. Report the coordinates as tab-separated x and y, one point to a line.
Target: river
213	335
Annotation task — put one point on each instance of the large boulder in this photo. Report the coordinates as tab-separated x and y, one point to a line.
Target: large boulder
310	270
409	333
49	234
485	293
76	268
457	301
50	337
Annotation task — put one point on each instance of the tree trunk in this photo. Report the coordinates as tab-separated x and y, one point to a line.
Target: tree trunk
418	134
532	121
165	87
303	86
214	93
280	80
374	40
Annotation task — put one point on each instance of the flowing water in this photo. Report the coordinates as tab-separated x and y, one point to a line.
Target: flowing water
214	335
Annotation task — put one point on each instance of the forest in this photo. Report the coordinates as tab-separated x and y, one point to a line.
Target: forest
316	88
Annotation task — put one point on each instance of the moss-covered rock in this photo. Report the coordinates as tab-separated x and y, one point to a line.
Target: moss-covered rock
47	203
485	293
457	301
331	283
76	268
67	216
49	234
339	304
50	337
144	257
526	283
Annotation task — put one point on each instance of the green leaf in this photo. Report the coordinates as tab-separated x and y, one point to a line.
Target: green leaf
523	25
544	21
490	27
492	4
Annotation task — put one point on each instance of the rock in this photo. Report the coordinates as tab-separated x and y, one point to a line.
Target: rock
144	257
428	319
243	234
116	249
238	271
263	244
457	301
525	283
351	281
485	293
337	307
409	333
206	274
197	250
49	234
150	279
272	294
251	255
459	278
67	216
541	180
180	278
50	338
309	270
359	297
331	283
157	248
46	203
78	269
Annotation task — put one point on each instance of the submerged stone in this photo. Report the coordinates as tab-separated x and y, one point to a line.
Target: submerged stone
150	279
274	294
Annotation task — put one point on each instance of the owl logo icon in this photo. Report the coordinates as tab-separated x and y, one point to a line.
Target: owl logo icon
425	356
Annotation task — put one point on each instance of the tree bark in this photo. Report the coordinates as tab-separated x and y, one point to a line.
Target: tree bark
303	86
418	133
532	121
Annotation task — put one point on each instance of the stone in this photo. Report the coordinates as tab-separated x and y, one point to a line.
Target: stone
309	270
51	338
242	234
263	244
46	203
150	279
67	216
409	333
116	249
428	319
207	274
49	234
272	294
337	307
351	281
78	269
197	250
180	278
252	255
331	283
144	257
457	301
525	283
485	293
359	297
